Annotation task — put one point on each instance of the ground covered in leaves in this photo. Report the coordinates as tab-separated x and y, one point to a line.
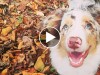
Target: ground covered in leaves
20	50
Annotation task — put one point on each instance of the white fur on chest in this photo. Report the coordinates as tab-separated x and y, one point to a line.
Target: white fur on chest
63	67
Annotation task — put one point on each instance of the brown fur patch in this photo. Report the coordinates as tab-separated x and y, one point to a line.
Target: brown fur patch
68	20
92	41
86	19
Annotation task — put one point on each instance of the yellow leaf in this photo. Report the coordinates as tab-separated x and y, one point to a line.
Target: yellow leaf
33	5
20	45
25	73
13	35
3	38
6	30
38	74
28	73
43	56
4	72
39	65
46	69
37	43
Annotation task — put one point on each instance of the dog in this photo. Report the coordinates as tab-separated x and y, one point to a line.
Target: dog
78	52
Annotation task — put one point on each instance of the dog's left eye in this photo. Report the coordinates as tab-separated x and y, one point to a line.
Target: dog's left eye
89	26
65	27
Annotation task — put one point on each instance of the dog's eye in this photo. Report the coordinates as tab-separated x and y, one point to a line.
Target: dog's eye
89	26
65	27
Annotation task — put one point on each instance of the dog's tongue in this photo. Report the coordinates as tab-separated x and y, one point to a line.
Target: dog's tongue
76	59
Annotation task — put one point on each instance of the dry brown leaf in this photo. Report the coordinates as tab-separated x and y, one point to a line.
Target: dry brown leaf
20	58
1	10
38	74
6	30
39	2
27	41
11	7
33	49
22	5
25	20
12	20
3	38
1	21
33	5
5	58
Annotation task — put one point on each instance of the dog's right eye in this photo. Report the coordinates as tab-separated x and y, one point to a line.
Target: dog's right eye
65	27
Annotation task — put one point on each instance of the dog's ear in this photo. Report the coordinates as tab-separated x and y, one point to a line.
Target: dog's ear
95	9
80	4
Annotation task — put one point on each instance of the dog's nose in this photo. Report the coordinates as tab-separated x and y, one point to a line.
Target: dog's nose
74	42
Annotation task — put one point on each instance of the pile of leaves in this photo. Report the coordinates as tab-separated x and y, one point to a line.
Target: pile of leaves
21	53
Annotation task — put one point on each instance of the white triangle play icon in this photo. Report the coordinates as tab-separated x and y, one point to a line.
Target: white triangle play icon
49	37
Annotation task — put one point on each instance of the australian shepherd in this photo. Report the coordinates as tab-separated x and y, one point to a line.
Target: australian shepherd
78	52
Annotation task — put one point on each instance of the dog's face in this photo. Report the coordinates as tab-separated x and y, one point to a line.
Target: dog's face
79	36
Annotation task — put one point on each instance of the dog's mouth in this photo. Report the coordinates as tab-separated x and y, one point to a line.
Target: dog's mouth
77	58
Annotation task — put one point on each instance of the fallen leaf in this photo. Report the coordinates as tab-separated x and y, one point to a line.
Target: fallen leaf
12	35
22	5
4	72
33	49
27	41
1	10
20	19
20	58
33	5
3	38
20	45
39	13
39	65
46	69
38	74
6	30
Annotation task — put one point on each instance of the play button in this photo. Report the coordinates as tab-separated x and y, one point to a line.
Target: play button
49	37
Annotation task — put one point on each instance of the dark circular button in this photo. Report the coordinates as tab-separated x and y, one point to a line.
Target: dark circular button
49	37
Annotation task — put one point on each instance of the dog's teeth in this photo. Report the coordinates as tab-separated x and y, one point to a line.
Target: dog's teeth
76	62
70	59
83	53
